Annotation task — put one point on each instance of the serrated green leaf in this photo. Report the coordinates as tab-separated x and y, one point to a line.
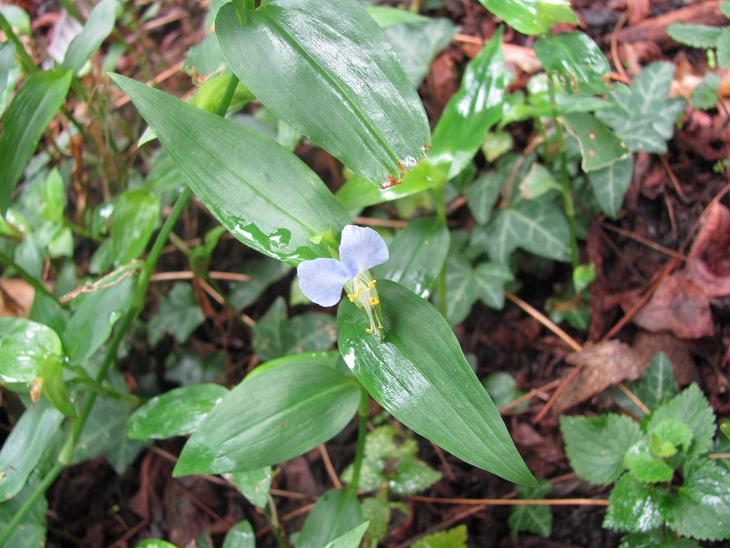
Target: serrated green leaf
635	507
482	194
240	535
418	373
174	413
697	36
723	47
351	539
232	170
642	116
577	59
701	507
377	512
98	26
417	254
473	110
272	416
704	95
532	16
253	484
490	279
691	408
413	476
644	466
536	226
668	436
599	146
31	532
352	96
657	537
596	445
451	538
610	183
532	518
336	513
179	315
32	109
25	348
154	543
136	213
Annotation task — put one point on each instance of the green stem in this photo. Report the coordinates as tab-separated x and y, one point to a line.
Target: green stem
222	109
102	390
362	429
8	262
25	59
438	195
564	178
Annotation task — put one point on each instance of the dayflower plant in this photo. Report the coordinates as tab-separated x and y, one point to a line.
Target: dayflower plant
322	280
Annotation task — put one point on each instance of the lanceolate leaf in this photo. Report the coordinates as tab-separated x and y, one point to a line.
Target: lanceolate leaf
473	110
335	513
577	59
271	417
351	96
31	111
418	373
264	195
99	25
532	16
136	213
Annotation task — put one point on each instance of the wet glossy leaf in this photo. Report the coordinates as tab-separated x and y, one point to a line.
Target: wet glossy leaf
412	476
25	347
657	537
610	183
577	59
136	213
419	374
417	254
32	109
336	513
53	387
599	146
253	484
25	445
99	25
179	315
233	169
473	110
31	533
642	116
352	96
9	73
270	417
210	94
482	194
701	507
240	535
646	467
351	539
386	16
635	506
532	16
596	445
174	413
697	36
533	519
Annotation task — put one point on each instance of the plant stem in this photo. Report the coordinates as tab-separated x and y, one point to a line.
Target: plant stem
362	429
438	196
8	262
564	179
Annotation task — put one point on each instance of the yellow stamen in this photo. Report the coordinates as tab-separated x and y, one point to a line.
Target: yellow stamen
368	331
374	301
353	297
371	284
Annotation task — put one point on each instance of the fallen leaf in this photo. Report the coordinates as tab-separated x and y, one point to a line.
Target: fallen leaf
709	257
16	297
677	350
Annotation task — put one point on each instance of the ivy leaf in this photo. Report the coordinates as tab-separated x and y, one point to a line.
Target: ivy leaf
482	194
536	226
635	507
610	183
704	95
490	279
532	518
451	538
532	16
701	507
596	445
179	315
240	535
691	408
657	383
577	59
599	146
697	36
460	289
642	116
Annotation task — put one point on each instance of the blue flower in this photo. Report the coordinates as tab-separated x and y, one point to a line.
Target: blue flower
322	280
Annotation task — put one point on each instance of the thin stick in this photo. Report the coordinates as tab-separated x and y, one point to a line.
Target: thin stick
569	378
614	46
645	241
719	455
673	178
634	398
444	463
531	394
189	275
509	502
161	77
385	223
544	320
328	466
291	494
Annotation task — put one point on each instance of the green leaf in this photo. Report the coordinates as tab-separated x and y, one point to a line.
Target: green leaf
691	408
451	538
154	543
31	532
32	109
135	215
482	194
610	184
723	47
418	373
351	539
25	445
336	513
417	254
174	413
460	289
272	416
644	466
413	476
205	58
473	110
537	182
642	116
668	435
532	518
536	226
657	537
99	25
704	95
496	144
577	59
54	197
385	16
376	511
725	8
596	445
179	315
211	93
697	36
634	506
264	195
92	323
253	484
701	507
352	96
240	535
657	383
9	72
599	146
25	348
532	16
489	281
502	388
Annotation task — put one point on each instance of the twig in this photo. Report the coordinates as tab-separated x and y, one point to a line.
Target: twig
509	502
164	75
442	458
544	320
531	394
645	241
634	398
385	223
567	381
189	275
328	466
719	455
673	178
614	45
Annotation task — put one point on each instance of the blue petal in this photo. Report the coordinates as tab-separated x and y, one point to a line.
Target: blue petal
321	280
361	248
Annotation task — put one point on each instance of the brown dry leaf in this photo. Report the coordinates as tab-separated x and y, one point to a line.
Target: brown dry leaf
637	10
16	297
709	258
678	351
680	306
